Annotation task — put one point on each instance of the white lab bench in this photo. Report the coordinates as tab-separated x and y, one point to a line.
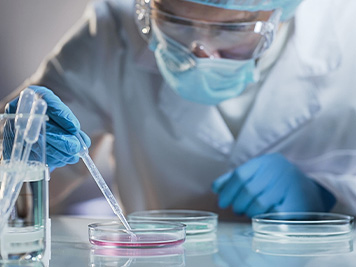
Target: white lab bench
232	245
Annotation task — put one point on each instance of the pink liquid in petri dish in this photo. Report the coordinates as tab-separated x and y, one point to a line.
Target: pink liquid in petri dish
143	240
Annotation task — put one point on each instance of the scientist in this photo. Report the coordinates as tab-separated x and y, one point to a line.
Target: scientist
240	107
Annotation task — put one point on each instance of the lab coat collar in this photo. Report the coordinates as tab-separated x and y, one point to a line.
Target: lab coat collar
284	104
310	55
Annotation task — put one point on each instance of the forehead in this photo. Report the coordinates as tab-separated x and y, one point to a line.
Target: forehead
196	11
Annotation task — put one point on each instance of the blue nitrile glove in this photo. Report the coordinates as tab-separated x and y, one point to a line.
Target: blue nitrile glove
62	145
270	183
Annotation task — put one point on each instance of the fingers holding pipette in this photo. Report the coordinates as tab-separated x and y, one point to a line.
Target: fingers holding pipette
54	156
63	148
62	145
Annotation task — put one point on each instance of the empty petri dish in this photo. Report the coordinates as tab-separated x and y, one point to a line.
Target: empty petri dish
302	224
197	222
147	234
300	246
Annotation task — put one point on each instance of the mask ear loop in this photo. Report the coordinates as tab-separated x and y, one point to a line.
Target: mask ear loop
275	20
268	31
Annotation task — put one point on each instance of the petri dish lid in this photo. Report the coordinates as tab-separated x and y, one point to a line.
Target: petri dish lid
197	222
302	224
147	234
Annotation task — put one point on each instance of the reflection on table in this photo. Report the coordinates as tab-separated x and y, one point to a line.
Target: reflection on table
234	244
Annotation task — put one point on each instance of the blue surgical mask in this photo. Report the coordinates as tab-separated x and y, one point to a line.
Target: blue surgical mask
201	80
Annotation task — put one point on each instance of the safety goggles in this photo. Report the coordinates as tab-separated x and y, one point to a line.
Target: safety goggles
230	40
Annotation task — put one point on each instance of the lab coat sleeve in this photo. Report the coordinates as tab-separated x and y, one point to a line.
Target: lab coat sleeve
81	71
342	186
335	170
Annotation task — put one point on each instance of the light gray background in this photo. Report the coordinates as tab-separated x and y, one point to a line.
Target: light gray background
29	29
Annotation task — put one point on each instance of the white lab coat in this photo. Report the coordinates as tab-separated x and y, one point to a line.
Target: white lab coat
167	150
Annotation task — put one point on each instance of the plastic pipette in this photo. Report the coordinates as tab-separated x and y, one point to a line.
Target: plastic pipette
24	106
8	185
84	154
33	127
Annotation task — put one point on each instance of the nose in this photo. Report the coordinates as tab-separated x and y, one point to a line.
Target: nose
202	51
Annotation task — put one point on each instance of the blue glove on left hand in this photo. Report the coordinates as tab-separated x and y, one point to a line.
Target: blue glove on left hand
62	145
270	183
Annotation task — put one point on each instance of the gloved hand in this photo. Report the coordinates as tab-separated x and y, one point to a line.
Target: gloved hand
62	145
270	183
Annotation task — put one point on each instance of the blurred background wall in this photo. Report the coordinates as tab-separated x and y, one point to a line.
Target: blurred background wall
29	29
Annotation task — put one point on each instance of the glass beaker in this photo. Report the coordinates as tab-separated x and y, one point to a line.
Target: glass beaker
26	232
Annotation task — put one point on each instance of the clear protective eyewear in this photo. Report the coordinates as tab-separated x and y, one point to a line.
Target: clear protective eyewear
229	40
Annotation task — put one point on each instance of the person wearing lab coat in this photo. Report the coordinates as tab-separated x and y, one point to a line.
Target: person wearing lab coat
279	137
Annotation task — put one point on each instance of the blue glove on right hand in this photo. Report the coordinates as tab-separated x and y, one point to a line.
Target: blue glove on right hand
62	144
270	183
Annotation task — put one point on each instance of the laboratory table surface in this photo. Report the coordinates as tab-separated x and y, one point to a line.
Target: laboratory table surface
233	244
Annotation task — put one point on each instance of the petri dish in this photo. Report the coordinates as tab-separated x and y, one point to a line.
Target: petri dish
197	222
302	224
299	246
148	234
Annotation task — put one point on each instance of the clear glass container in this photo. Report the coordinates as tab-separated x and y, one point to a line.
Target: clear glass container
302	224
147	234
197	222
26	232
